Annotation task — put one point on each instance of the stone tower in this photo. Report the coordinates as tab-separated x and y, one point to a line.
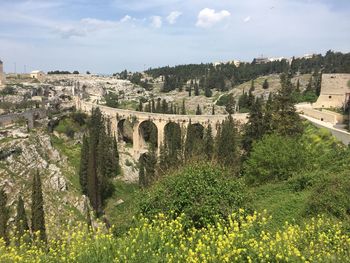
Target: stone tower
2	75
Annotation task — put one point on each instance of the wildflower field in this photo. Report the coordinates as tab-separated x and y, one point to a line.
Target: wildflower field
240	238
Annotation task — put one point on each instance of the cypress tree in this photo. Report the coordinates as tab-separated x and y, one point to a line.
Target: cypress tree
198	110
267	118
183	108
150	162
21	221
207	92
153	108
142	176
164	108
213	110
163	158
140	107
255	127
266	84
228	144
286	120
190	89
4	216
158	106
230	106
196	89
250	99
170	154
298	86
38	215
209	143
84	162
252	86
189	141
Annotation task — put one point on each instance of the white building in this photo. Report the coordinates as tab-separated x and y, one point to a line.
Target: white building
37	74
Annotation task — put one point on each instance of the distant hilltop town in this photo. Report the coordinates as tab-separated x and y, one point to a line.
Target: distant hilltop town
263	60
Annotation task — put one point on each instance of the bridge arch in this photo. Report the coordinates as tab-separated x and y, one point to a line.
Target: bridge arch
172	137
148	134
198	130
125	131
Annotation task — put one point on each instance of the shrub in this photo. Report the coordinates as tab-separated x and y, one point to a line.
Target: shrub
274	158
201	192
331	195
79	117
223	100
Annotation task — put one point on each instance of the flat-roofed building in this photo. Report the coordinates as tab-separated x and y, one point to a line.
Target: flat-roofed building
37	74
335	90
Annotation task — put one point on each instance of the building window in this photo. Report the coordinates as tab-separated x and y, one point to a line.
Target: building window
330	97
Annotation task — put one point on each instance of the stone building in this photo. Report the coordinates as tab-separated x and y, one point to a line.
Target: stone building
335	90
37	74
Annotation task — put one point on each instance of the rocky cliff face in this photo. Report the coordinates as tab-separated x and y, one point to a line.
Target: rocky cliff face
25	153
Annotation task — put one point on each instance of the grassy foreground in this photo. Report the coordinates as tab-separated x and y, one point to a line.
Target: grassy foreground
242	238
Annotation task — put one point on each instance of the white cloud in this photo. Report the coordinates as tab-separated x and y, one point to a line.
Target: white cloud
208	17
156	21
68	32
125	19
173	16
247	19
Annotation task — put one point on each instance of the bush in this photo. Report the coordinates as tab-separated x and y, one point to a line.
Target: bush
223	100
79	117
199	191
331	195
274	158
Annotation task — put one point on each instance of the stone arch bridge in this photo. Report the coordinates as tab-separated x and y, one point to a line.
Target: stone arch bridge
118	117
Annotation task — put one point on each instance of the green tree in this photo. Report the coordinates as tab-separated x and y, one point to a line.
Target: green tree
149	162
255	128
268	111
196	89
153	108
21	220
183	108
213	110
252	86
230	106
298	86
84	163
140	107
286	120
228	144
189	141
265	84
207	92
209	143
4	216
198	110
158	106
37	209
274	158
142	176
164	108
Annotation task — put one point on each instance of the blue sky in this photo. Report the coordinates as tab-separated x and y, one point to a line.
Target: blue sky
106	36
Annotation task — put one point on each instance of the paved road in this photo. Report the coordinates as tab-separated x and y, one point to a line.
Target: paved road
340	134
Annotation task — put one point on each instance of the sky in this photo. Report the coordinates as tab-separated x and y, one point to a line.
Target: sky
107	36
